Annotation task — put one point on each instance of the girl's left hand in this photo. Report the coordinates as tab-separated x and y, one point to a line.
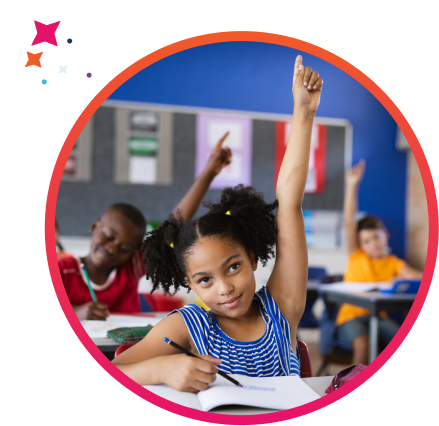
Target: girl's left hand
307	87
220	157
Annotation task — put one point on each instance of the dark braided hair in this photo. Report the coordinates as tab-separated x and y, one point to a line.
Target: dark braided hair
251	224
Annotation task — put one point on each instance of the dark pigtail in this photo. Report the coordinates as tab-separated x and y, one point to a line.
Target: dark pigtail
160	259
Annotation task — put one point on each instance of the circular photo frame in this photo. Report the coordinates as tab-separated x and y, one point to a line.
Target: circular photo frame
243	37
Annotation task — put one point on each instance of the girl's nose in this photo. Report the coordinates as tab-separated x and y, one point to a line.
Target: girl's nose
225	288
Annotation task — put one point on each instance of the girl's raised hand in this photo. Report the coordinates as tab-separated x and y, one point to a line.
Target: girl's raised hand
188	374
307	87
220	157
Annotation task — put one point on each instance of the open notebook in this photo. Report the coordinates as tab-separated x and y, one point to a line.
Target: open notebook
278	393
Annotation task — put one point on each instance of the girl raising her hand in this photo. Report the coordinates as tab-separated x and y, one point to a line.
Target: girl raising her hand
215	256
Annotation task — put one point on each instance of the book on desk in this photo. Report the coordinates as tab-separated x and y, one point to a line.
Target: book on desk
277	393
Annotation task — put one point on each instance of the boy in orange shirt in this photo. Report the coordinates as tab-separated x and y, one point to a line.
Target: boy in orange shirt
369	261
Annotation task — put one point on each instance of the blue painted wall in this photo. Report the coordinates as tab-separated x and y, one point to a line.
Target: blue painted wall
257	77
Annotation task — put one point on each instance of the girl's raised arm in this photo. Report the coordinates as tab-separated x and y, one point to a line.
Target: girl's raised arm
288	280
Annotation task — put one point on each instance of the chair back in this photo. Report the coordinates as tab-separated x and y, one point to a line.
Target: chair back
316	272
305	360
123	348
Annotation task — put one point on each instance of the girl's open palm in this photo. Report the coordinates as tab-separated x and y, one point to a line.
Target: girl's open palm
307	86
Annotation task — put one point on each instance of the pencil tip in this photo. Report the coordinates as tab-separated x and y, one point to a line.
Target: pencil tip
239	384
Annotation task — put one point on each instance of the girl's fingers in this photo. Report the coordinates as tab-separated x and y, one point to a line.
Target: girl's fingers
318	85
307	76
220	142
313	80
207	378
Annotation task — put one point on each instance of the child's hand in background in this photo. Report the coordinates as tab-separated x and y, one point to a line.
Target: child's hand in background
307	87
92	311
188	374
220	157
354	175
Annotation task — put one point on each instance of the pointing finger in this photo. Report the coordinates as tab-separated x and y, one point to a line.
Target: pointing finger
220	142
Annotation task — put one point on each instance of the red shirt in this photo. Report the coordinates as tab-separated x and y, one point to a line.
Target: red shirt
119	293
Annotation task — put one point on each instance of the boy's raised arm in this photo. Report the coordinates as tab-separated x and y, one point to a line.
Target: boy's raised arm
350	208
220	157
288	281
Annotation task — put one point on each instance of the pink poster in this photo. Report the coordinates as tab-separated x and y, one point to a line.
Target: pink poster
210	129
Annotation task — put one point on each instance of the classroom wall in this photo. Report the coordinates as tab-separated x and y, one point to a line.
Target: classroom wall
257	77
80	203
417	216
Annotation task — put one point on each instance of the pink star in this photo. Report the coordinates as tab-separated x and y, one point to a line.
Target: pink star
45	33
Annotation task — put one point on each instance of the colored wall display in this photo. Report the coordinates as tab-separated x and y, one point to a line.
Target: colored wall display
315	182
210	129
143	152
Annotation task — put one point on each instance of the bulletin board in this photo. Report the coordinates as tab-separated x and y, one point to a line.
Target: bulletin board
81	202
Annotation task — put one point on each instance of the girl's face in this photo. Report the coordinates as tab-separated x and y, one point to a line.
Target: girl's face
221	274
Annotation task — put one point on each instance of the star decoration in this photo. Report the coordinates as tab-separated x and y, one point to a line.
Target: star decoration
62	69
33	59
45	33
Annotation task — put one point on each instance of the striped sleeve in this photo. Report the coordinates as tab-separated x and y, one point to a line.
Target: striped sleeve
198	324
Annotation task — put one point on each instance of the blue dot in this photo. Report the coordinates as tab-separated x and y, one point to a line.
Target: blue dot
44	81
69	40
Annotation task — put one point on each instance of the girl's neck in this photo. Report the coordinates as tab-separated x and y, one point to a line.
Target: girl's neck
98	276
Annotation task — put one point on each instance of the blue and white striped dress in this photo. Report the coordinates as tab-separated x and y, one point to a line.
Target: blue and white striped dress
271	355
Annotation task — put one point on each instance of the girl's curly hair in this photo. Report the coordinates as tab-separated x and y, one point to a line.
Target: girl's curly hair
251	224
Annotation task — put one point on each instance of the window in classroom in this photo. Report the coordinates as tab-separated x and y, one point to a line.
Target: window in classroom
78	167
143	146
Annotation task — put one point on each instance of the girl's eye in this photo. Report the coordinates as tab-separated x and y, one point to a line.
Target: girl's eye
204	280
234	267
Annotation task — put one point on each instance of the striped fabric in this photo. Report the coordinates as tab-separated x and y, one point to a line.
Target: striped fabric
271	355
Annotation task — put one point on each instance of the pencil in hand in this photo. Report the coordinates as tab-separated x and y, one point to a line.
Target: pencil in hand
178	347
90	288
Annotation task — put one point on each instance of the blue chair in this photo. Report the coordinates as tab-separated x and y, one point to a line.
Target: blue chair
329	346
308	319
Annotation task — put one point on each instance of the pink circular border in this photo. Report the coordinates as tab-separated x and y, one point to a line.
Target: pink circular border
218	38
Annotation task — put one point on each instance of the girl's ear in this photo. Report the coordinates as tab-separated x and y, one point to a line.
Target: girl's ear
253	261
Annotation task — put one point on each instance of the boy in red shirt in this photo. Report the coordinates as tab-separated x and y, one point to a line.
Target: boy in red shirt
114	264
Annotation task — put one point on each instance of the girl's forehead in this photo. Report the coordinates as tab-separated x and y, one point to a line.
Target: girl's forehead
211	251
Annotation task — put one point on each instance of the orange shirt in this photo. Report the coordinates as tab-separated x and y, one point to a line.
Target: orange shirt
361	268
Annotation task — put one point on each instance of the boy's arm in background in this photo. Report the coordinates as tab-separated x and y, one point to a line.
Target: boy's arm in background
288	281
350	207
153	362
220	157
409	273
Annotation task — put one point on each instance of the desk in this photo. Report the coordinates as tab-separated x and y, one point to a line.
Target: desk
108	346
375	302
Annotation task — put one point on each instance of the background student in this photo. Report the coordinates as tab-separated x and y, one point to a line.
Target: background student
369	261
114	264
